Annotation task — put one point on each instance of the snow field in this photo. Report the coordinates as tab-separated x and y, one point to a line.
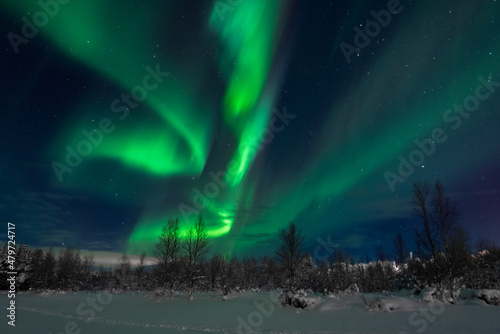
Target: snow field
258	312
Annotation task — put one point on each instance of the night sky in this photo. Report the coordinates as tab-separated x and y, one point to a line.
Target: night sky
117	115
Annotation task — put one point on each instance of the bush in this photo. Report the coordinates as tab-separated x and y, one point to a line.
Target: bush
297	299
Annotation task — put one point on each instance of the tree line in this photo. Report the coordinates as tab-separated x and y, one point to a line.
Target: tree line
443	259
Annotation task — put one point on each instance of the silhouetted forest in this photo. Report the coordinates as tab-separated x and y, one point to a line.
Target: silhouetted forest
443	259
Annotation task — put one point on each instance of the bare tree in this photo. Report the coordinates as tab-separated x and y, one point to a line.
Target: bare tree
88	263
250	272
442	236
124	266
49	264
35	268
123	271
458	257
215	270
425	240
140	271
381	256
68	268
399	249
195	246
453	239
290	252
339	270
87	266
444	216
167	254
324	277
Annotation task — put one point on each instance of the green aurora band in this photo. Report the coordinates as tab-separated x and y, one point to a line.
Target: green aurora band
88	33
91	33
178	144
345	156
248	36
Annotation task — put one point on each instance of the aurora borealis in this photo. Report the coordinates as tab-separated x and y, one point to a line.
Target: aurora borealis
119	115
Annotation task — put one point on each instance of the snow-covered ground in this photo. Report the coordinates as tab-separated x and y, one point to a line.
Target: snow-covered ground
135	313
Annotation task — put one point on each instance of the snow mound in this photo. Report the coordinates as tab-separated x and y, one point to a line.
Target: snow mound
398	304
296	299
429	294
491	297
